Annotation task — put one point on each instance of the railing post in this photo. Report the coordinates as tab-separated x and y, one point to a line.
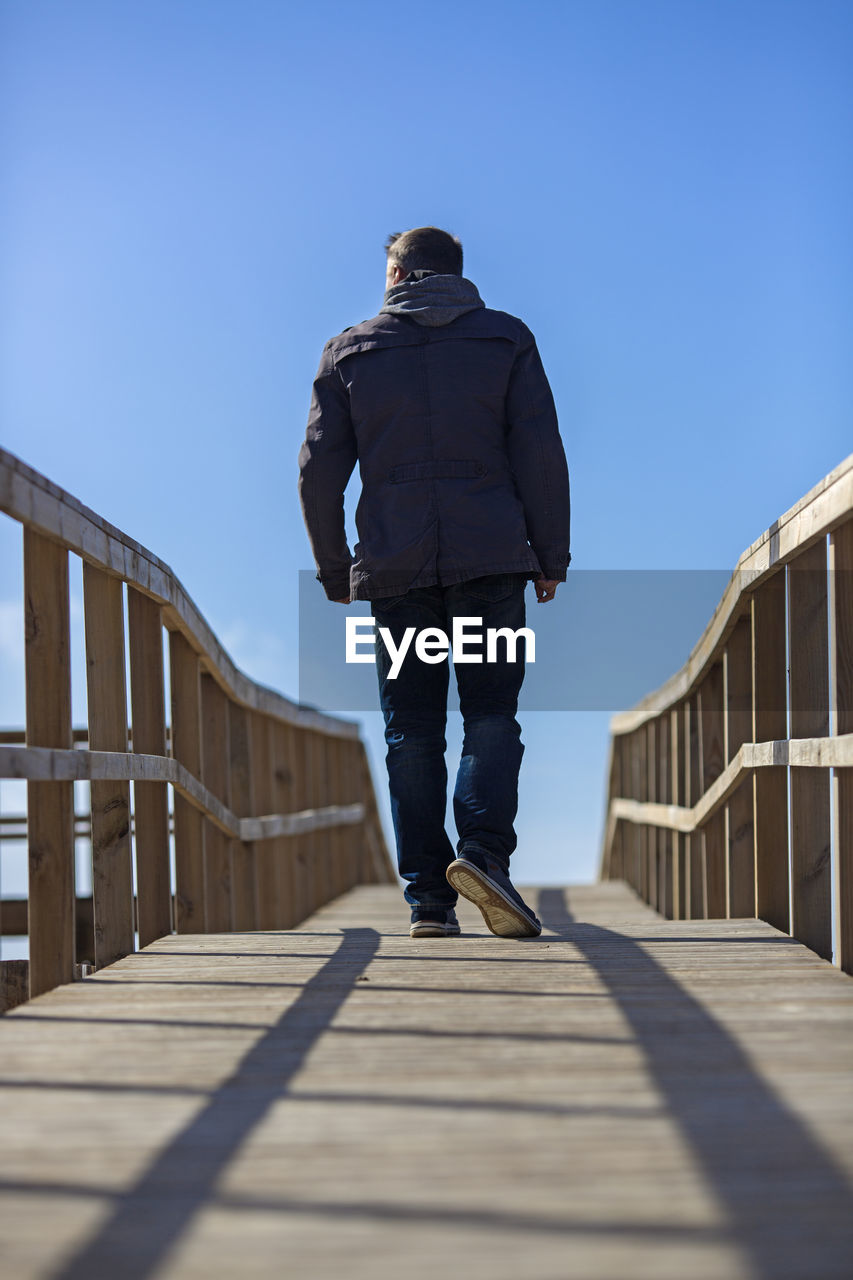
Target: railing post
332	752
808	647
353	834
697	873
217	845
639	785
677	762
106	679
770	724
616	788
380	862
292	869
185	679
318	880
262	795
741	823
841	551
713	740
50	805
244	907
664	794
150	802
651	832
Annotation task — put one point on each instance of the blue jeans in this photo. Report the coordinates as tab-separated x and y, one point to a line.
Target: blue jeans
414	705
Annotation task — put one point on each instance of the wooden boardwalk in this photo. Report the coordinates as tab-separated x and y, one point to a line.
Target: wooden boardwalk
624	1097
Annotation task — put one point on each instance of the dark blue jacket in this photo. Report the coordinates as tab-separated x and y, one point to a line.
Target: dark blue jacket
462	467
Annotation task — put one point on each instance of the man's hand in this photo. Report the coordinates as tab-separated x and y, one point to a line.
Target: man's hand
347	601
546	589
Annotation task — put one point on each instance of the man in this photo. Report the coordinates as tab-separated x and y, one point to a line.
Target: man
465	496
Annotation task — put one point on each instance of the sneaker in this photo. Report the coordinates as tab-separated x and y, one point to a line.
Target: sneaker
490	888
440	924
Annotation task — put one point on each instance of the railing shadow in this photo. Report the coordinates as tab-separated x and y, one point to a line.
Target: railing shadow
789	1205
150	1218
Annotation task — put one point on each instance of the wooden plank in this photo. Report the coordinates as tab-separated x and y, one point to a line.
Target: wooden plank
340	870
711	721
607	869
185	681
770	722
712	730
325	884
293	902
676	784
383	865
638	791
687	738
263	796
328	794
106	678
651	794
698	875
14	983
808	647
311	870
358	786
619	781
841	544
242	853
203	1109
350	860
217	846
715	863
739	724
664	835
50	805
44	764
150	799
623	850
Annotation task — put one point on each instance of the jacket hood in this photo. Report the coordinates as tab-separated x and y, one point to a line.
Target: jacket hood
432	299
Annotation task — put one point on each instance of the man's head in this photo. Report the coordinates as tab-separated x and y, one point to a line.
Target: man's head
424	249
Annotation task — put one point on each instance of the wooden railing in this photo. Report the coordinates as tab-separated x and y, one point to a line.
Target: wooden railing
273	809
731	787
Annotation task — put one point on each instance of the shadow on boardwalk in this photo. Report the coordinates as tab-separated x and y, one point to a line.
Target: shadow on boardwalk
150	1219
789	1206
601	1066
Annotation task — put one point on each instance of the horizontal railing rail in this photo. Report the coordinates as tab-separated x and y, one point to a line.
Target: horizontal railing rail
272	808
730	788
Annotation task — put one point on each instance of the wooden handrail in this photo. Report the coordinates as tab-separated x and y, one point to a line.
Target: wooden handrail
823	508
722	781
247	766
41	764
38	504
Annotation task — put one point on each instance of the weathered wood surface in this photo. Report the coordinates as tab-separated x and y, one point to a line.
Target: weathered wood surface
50	805
41	505
43	764
805	753
624	1097
106	679
819	512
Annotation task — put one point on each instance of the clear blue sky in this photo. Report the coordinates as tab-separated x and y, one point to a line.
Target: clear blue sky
196	194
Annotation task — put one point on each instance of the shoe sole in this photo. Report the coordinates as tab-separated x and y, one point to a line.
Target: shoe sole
502	916
430	930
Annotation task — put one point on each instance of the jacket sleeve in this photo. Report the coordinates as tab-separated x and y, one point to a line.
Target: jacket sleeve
326	462
538	460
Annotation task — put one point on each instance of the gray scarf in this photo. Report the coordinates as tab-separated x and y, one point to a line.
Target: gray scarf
432	299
